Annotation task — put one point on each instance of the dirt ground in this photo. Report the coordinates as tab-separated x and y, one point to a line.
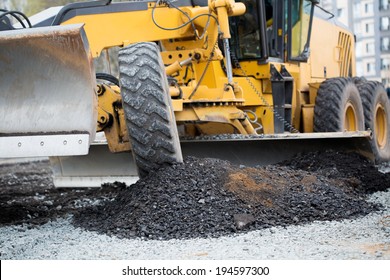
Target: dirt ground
200	198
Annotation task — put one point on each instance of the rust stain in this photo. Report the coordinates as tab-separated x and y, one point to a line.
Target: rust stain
255	186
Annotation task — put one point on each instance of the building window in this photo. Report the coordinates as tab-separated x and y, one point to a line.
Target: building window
368	8
368	67
340	12
357	28
385	64
385	23
386	83
370	48
357	9
385	44
369	28
384	5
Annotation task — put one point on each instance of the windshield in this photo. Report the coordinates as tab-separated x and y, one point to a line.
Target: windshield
245	29
299	24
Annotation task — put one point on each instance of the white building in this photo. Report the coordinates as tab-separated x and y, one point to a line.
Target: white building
370	21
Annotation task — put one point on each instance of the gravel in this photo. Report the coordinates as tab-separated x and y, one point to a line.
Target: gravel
362	238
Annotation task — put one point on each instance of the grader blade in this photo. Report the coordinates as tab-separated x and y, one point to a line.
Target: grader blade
47	92
101	166
275	148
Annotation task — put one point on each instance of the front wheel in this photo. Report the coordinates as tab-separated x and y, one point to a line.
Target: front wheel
377	118
148	110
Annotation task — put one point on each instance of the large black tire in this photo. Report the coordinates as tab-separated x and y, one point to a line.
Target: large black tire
148	108
376	108
338	107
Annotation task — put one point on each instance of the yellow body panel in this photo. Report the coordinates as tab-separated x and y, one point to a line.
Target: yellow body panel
119	29
331	56
205	95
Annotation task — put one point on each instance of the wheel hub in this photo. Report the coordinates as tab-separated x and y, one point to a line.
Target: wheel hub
350	120
380	126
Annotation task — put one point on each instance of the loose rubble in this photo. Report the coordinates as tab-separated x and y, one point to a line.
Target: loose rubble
210	198
200	198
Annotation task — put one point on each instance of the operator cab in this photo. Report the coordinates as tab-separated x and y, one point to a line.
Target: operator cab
259	33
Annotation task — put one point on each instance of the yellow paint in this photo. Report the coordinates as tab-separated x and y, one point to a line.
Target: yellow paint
205	103
110	108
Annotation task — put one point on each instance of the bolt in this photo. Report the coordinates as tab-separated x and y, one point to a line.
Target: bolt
20	144
42	143
100	90
197	56
65	142
103	119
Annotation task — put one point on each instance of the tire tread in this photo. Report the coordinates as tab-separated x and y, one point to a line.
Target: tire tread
149	117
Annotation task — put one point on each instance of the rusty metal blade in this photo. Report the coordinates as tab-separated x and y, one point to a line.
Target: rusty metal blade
47	87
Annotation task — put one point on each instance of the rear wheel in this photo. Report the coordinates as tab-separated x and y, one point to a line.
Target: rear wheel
149	116
338	107
376	107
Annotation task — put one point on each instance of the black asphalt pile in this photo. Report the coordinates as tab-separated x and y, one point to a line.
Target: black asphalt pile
345	166
211	198
180	201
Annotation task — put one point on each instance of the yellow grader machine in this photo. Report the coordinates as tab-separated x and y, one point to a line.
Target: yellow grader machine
253	82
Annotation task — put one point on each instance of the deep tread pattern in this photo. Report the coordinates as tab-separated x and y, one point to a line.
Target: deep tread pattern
373	93
147	105
332	97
